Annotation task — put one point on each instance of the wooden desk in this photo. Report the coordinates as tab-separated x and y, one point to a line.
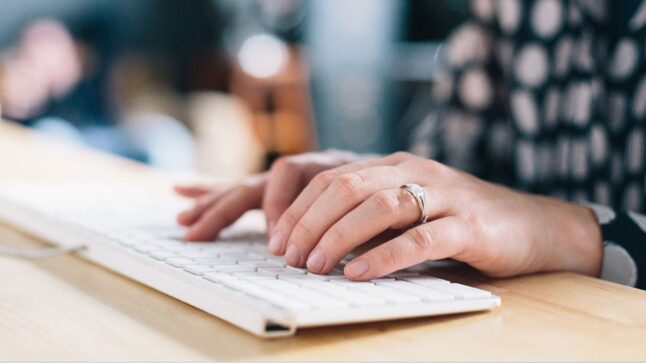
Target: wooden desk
65	308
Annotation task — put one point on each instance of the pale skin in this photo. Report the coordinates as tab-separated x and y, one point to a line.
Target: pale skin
321	206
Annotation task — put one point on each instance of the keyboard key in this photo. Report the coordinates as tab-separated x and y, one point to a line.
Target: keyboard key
258	264
215	261
279	285
241	257
180	262
351	284
176	246
280	271
317	276
418	290
256	276
233	268
221	278
162	255
424	280
199	269
390	295
278	260
296	278
146	248
354	297
401	274
198	254
462	291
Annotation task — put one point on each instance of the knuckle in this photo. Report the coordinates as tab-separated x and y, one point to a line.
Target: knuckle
290	217
304	229
437	168
421	237
252	183
337	236
349	185
284	164
390	256
324	179
245	188
202	202
386	202
402	155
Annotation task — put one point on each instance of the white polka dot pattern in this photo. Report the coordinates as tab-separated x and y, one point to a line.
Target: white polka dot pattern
564	52
616	110
551	107
624	59
475	89
582	104
561	105
639	101
509	14
468	44
531	65
635	154
483	9
599	145
524	111
547	17
526	161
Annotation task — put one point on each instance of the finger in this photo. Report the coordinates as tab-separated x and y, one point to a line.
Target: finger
191	215
226	210
443	238
312	191
202	203
384	210
193	191
286	179
343	195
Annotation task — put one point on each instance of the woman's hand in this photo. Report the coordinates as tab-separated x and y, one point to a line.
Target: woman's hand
494	229
219	206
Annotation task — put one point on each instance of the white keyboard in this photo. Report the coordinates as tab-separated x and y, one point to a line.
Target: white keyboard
133	232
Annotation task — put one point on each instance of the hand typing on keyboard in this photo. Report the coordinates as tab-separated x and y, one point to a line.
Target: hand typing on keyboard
321	206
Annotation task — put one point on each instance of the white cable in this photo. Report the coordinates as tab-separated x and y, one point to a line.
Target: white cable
38	253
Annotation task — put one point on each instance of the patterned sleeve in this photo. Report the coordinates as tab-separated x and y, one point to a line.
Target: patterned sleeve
466	126
624	248
597	151
623	230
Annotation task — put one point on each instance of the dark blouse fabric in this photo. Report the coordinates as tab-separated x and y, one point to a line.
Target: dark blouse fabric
547	96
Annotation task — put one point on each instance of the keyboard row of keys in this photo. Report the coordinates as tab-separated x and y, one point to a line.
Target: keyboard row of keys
247	267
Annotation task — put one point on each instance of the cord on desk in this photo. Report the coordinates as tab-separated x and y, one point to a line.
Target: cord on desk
38	253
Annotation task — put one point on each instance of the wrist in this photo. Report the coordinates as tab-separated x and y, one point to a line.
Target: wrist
577	244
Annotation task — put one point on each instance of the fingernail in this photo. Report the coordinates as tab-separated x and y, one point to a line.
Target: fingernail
275	243
293	256
357	268
316	261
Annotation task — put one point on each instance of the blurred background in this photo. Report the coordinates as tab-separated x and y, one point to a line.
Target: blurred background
222	87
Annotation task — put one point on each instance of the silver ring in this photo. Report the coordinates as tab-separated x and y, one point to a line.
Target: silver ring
419	194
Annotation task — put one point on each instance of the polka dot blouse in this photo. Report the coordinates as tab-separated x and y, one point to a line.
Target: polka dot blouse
549	96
